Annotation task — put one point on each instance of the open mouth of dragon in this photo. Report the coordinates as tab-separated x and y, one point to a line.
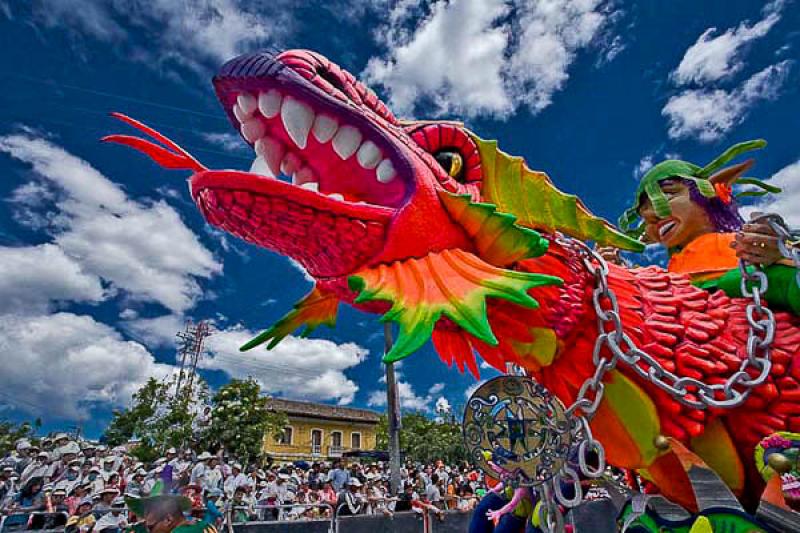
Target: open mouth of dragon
325	181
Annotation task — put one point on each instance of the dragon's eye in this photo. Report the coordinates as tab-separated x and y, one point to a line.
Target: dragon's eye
454	151
452	163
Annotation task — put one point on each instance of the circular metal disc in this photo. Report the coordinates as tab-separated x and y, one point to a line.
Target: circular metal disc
520	426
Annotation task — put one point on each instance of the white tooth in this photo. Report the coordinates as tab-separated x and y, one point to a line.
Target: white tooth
336	196
252	130
304	175
247	103
290	164
259	166
346	141
240	115
297	118
311	186
324	128
369	155
269	103
386	171
273	151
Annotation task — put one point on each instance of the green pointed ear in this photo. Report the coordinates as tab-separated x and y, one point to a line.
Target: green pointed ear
730	175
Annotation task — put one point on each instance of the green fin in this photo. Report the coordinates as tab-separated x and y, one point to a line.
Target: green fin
510	185
499	239
316	308
454	283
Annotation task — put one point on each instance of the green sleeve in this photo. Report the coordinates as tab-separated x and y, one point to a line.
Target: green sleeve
782	292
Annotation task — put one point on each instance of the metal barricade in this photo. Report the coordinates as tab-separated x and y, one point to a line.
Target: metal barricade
35	520
282	516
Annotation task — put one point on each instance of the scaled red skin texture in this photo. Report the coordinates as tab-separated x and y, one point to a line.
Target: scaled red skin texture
689	331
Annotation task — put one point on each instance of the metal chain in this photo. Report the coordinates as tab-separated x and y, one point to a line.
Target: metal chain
688	391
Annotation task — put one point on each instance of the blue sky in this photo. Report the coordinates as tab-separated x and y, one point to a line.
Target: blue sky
103	255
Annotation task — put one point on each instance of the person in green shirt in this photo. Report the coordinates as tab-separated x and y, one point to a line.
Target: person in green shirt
165	513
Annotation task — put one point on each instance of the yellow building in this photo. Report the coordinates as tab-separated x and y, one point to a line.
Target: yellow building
320	431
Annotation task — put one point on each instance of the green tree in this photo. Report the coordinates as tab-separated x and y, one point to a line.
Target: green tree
11	432
424	439
240	420
156	418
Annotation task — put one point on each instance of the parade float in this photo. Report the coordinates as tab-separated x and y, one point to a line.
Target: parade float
695	393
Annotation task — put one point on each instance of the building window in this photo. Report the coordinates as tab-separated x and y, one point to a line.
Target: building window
316	441
355	441
336	439
286	436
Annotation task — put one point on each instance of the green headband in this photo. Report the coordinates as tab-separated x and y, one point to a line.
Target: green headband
674	168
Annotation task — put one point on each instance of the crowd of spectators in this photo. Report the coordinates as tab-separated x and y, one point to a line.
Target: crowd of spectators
88	482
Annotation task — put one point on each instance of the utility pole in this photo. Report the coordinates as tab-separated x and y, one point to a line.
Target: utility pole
393	414
190	348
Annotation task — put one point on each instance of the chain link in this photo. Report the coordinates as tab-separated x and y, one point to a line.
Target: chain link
788	240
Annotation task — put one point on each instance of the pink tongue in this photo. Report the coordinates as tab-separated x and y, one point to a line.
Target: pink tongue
326	244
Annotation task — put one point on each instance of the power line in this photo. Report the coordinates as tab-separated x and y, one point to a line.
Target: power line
100	132
113	95
267	367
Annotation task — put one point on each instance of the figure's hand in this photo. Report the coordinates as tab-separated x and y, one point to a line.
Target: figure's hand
757	243
495	516
610	254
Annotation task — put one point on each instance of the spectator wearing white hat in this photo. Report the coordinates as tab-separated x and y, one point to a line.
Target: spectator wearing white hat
95	477
171	455
40	467
22	455
235	480
113	521
107	496
199	470
109	467
213	475
70	478
350	501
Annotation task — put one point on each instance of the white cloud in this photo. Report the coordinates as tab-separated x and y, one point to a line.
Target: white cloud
787	203
145	249
552	32
468	57
707	114
33	278
472	388
409	400
714	58
644	165
63	364
158	332
311	369
191	32
229	142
